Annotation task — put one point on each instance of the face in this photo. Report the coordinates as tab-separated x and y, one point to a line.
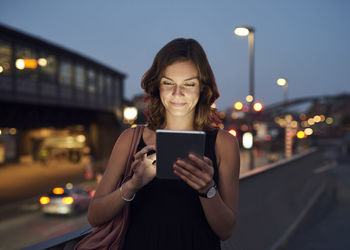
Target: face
179	89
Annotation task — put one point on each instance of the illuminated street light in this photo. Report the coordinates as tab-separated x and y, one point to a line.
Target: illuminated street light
248	31
238	105
130	114
257	107
249	98
242	31
281	81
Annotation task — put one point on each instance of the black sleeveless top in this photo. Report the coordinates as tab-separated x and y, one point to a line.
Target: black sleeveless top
167	214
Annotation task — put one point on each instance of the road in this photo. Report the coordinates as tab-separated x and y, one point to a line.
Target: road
21	222
33	227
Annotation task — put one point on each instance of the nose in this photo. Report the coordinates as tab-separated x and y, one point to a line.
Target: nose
177	90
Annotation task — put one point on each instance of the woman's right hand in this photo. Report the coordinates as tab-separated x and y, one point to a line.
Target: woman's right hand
144	167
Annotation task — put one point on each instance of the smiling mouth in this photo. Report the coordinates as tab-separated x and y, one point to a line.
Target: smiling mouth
177	104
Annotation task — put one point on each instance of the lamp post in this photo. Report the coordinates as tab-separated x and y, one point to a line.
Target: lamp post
249	31
283	82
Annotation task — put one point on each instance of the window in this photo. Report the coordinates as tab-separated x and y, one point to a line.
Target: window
65	72
48	65
100	84
26	62
108	81
91	81
79	77
5	58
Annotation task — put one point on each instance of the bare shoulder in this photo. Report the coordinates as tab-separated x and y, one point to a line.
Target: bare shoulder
224	139
126	136
226	147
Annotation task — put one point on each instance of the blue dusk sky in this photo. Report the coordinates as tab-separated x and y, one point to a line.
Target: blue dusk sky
305	41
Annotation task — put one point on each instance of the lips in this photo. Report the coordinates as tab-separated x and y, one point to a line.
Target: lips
178	104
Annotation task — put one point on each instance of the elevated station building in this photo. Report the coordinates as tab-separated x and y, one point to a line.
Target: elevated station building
47	91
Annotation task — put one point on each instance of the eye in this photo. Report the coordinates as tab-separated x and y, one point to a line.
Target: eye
168	83
190	84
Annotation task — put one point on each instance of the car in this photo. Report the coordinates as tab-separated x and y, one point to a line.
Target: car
67	200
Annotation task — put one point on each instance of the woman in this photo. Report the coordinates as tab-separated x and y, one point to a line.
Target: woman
199	210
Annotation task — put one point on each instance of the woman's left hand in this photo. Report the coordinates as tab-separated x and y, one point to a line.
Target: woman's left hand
197	173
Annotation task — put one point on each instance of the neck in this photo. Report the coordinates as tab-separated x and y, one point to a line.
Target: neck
179	123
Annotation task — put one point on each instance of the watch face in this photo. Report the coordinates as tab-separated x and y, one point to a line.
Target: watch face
211	193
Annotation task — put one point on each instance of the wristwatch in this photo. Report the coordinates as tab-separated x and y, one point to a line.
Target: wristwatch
211	192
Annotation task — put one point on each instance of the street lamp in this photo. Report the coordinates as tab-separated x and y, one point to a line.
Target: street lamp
249	31
130	114
283	82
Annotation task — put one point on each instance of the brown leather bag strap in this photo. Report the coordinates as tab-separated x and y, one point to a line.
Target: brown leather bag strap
134	143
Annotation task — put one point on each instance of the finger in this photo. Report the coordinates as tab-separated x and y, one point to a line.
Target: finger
198	180
200	162
135	165
189	167
153	157
208	161
189	181
143	151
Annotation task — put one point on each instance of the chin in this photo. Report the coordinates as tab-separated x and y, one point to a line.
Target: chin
179	113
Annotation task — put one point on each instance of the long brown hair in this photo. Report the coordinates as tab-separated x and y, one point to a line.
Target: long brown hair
178	50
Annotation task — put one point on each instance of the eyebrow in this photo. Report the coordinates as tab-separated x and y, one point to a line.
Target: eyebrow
191	78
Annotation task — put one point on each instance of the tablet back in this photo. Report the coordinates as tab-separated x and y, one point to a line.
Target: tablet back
172	144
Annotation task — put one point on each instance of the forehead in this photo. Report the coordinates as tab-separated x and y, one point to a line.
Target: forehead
181	69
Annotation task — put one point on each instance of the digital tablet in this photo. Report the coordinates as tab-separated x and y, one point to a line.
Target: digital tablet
172	144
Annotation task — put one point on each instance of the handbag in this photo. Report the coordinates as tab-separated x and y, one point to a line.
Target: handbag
111	234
